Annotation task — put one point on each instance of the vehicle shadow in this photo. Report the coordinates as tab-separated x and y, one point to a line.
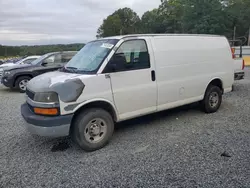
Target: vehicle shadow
65	143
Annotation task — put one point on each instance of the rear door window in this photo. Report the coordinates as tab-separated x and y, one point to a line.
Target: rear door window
66	57
27	61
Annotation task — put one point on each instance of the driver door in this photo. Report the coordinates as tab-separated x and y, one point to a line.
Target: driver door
133	80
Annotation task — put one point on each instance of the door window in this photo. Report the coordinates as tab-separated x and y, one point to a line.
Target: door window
66	57
58	60
131	55
29	61
49	61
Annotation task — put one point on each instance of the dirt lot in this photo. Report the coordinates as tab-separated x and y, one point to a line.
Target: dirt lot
178	148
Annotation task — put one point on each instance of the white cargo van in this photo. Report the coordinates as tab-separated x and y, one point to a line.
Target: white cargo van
119	78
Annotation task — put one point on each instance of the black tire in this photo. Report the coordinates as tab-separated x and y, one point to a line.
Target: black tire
79	126
19	80
233	87
206	103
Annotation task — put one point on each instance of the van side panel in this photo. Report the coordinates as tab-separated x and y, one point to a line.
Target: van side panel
97	88
186	64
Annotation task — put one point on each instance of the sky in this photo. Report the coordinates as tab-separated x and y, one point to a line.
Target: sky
31	22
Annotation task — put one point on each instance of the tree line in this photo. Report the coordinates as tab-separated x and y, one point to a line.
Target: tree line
6	51
222	17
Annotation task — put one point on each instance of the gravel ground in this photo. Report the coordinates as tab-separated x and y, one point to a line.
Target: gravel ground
178	148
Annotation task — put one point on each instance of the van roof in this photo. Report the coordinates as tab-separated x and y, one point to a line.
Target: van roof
154	35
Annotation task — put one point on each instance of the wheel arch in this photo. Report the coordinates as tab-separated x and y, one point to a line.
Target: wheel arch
216	82
98	103
21	75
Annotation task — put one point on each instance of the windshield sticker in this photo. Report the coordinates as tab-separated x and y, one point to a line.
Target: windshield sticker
107	45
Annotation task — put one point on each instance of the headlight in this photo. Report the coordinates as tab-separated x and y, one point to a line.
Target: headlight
6	72
46	97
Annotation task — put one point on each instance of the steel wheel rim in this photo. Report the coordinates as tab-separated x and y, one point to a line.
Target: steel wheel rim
95	130
213	99
23	84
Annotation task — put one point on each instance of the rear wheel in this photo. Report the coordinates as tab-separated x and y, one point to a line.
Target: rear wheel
22	82
212	99
92	129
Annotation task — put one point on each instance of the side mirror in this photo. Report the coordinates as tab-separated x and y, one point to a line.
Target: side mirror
112	67
47	61
44	63
117	63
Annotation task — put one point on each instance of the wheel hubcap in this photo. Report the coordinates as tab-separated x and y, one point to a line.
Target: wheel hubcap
95	130
23	84
213	99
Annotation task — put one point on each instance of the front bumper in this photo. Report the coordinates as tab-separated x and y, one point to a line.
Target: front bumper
7	82
49	126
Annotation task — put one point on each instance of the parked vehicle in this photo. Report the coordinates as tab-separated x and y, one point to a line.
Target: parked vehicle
19	75
26	60
239	63
119	78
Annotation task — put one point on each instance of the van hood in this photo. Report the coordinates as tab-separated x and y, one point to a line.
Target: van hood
68	86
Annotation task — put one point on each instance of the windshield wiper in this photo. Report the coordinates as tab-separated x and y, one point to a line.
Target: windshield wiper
85	70
69	69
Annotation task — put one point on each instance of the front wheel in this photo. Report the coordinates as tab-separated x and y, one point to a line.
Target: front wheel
21	83
92	129
212	99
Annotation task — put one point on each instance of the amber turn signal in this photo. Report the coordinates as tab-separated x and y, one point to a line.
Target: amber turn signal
46	111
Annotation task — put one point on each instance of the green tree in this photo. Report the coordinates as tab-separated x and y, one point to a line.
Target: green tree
204	17
111	26
238	15
193	16
172	12
37	50
152	22
123	21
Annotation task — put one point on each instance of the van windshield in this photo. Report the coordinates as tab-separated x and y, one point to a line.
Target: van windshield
91	56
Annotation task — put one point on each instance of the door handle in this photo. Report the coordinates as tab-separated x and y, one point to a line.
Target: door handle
153	75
